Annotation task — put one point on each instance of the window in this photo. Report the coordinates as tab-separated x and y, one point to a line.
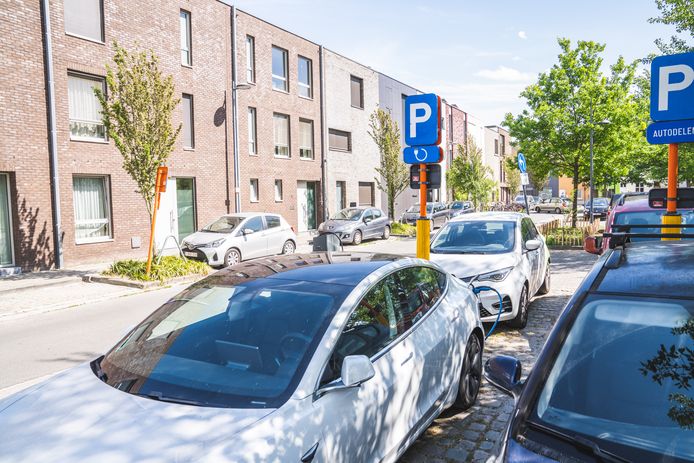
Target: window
419	290
84	107
305	77
281	129
339	140
640	188
252	132
305	139
254	223
92	209
186	49
279	69
503	145
279	195
340	194
366	194
403	98
273	221
377	213
250	59
188	122
357	92
496	146
85	18
254	190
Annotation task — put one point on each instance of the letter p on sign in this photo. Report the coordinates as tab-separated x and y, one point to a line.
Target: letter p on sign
672	87
422	120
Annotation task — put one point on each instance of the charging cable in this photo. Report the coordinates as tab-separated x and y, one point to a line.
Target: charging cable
477	290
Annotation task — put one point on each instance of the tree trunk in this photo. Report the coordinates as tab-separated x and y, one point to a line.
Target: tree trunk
574	203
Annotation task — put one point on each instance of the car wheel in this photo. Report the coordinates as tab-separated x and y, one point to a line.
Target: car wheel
537	209
289	247
356	238
557	211
544	289
232	257
521	318
470	374
386	233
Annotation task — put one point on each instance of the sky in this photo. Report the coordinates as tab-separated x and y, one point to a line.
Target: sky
477	54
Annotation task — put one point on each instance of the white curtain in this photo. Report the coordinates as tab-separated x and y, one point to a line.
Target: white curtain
5	232
281	135
185	37
91	209
306	135
83	103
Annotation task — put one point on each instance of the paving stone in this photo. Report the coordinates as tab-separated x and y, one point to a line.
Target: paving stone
457	454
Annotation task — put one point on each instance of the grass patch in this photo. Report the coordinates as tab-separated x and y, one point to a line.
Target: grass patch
565	236
167	268
398	228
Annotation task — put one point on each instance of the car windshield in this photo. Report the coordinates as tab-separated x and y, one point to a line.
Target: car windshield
224	224
456	206
623	376
599	202
475	237
238	346
649	217
348	214
415	208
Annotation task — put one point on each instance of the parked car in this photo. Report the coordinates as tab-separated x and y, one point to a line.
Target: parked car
318	357
600	209
612	380
503	250
633	211
436	212
354	224
620	198
520	200
457	208
235	237
553	205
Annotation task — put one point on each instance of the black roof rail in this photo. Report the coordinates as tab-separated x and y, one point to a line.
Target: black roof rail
620	238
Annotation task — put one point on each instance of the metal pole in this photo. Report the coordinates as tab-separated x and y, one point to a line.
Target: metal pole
323	127
671	217
227	202
423	226
592	201
525	196
234	114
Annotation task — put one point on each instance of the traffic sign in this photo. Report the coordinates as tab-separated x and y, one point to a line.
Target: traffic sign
522	165
423	120
672	87
525	180
661	133
433	180
423	154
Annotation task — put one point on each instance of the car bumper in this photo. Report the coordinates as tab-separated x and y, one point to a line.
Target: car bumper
211	256
601	214
345	236
488	304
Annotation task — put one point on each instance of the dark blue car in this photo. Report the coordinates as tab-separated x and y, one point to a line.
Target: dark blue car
615	379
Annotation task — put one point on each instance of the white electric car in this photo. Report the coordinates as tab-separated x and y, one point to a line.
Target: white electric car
502	250
319	357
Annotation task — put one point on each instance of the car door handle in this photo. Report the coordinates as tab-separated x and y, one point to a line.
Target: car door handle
409	357
310	454
456	315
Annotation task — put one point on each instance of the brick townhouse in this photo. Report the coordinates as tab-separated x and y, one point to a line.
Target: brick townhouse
497	149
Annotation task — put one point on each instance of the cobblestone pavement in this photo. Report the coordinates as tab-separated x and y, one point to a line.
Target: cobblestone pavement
471	435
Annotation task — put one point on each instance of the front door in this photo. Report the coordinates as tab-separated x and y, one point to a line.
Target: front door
6	254
166	225
306	205
185	207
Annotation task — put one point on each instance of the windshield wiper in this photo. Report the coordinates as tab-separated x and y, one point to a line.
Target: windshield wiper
581	443
156	395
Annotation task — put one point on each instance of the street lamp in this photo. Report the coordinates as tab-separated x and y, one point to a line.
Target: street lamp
592	130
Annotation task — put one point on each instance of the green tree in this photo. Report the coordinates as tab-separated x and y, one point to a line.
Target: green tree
678	13
513	181
468	176
394	176
137	114
554	132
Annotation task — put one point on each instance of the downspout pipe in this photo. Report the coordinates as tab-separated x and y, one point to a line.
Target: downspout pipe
52	132
323	157
234	114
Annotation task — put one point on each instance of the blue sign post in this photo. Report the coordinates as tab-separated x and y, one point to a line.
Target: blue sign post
523	167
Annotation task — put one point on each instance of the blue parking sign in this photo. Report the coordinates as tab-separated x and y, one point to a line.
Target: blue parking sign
423	120
422	154
672	87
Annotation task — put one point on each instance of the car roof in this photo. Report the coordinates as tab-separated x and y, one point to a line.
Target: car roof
657	268
343	268
490	215
638	205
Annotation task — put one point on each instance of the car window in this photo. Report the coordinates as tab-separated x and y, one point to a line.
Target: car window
254	223
475	237
368	215
377	213
526	230
419	288
272	221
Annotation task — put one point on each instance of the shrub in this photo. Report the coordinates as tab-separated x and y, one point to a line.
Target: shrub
167	268
398	228
565	236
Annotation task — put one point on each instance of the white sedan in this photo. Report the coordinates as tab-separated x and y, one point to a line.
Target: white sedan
502	250
319	357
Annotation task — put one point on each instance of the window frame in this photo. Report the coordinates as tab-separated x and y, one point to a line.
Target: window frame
289	136
349	140
107	208
313	143
254	132
102	24
285	78
252	182
353	78
250	59
278	181
104	89
300	84
189	30
190	97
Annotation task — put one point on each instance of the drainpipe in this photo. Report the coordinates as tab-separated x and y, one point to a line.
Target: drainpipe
52	134
234	114
323	160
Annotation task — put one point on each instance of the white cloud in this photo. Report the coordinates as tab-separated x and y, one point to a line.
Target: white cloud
522	35
516	58
505	74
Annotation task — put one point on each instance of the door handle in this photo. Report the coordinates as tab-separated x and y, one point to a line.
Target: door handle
409	357
456	315
310	454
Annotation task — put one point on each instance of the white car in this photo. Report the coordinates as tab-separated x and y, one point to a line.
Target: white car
319	357
502	250
236	237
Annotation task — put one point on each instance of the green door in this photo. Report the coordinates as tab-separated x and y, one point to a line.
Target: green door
311	202
5	224
185	203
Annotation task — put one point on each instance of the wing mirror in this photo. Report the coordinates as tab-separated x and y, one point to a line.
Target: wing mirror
532	245
356	369
593	244
248	231
504	373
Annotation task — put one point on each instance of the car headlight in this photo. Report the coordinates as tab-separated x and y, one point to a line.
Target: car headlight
497	275
214	243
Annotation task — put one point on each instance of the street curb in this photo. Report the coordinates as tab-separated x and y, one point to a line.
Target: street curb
97	278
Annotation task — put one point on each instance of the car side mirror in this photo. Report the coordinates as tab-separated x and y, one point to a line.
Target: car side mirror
504	373
532	245
356	369
367	219
247	231
593	244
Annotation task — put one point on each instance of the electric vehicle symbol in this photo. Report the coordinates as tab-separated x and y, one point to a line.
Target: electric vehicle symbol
417	156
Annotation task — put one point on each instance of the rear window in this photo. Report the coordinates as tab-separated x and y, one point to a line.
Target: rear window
272	221
648	218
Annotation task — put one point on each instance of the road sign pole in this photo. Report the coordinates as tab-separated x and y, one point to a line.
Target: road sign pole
162	174
525	196
423	226
671	217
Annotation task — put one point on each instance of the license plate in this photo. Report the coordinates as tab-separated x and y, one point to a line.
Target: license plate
190	254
